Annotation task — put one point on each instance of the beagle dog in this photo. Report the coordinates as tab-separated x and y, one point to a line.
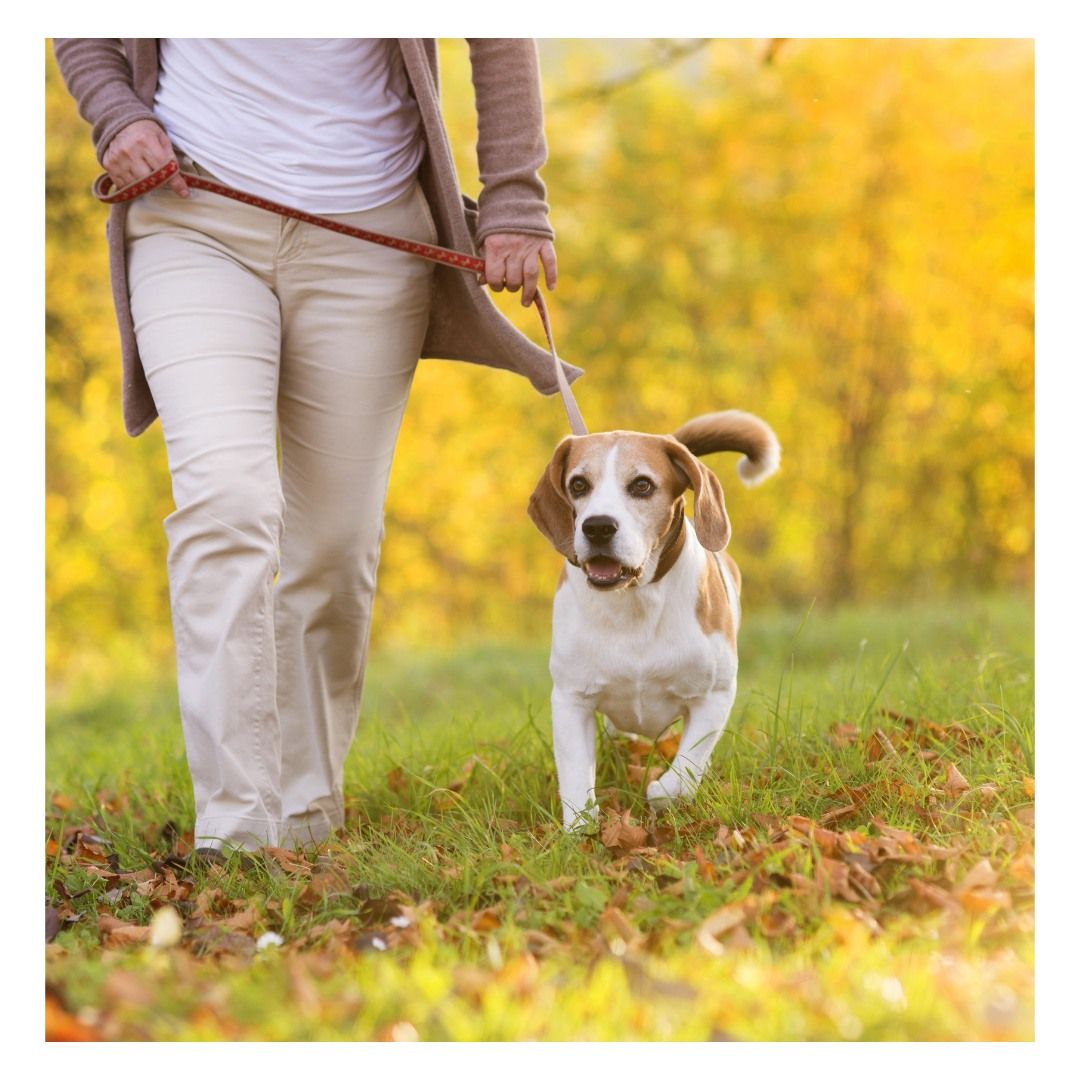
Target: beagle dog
647	607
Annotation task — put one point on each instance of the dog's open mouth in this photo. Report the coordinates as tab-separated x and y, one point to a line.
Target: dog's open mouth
604	573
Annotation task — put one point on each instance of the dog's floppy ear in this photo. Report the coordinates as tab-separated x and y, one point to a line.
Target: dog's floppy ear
549	507
711	521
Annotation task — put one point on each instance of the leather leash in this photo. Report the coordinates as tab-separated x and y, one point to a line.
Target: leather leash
105	191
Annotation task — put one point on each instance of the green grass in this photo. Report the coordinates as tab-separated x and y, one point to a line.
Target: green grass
516	930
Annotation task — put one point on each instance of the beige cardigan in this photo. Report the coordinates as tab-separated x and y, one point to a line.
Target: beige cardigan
113	81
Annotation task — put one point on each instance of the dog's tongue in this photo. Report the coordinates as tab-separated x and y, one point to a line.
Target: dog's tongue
603	569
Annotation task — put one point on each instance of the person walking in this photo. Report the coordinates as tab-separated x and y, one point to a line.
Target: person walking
241	330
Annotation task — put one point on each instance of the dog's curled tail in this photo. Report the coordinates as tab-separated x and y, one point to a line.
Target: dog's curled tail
734	430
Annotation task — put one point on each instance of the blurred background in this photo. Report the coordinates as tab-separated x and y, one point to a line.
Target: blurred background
834	234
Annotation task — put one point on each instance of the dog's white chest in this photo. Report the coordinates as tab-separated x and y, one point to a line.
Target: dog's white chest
642	665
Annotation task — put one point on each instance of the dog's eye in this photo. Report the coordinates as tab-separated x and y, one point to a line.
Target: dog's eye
642	486
578	486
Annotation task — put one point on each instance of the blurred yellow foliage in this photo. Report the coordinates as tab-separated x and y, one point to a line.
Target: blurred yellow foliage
840	240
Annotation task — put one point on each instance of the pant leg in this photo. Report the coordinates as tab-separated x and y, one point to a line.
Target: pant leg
208	327
354	318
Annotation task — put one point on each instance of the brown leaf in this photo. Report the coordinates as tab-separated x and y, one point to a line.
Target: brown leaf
955	783
933	895
981	876
63	803
842	735
879	746
555	885
978	901
242	920
397	781
723	920
640	776
838	813
487	919
614	923
115	932
706	869
327	883
777	923
1022	869
668	746
836	876
826	840
289	861
1029	786
214	940
619	834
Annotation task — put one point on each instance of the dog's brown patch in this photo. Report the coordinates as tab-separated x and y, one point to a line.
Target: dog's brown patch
733	570
713	610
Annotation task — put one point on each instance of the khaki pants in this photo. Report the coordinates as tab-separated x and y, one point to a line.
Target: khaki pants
252	328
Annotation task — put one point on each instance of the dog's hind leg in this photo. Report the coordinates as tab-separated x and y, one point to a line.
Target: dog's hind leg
703	728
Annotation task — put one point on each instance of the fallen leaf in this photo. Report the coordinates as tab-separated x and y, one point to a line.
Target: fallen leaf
981	876
115	932
289	861
842	735
619	834
641	776
327	883
777	923
838	813
879	746
933	895
668	746
242	920
721	921
955	783
1029	786
978	901
396	781
487	919
614	922
837	877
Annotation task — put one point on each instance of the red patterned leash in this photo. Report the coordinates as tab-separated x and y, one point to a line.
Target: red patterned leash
106	192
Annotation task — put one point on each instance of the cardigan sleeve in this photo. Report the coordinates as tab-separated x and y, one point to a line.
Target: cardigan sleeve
510	146
98	76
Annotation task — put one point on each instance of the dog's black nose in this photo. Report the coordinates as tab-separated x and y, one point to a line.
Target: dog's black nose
600	528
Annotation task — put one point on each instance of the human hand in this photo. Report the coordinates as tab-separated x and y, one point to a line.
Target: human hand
512	261
138	150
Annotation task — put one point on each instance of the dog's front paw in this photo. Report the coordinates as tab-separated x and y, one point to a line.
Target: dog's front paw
580	821
667	790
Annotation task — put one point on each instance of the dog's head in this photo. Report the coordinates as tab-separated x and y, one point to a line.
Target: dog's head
607	502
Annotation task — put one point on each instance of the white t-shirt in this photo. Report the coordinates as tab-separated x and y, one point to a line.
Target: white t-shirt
326	125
